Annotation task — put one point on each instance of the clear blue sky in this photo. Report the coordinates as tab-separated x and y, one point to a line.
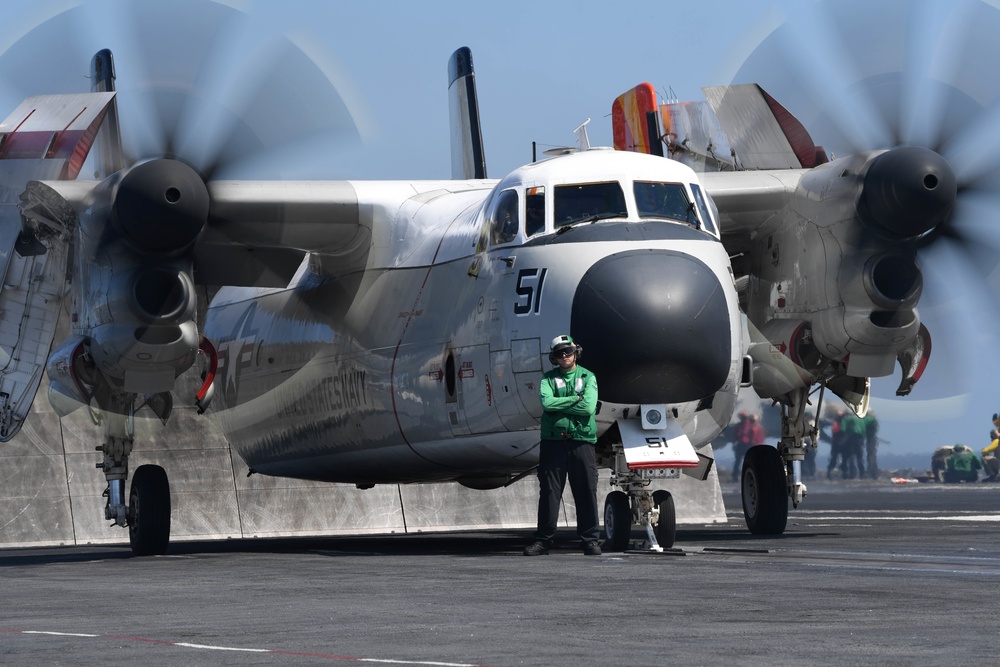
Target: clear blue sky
542	69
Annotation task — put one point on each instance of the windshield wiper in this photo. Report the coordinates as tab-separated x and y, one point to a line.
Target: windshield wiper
591	220
606	216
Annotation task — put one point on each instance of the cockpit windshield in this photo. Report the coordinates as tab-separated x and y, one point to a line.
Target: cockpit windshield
706	214
588	202
664	200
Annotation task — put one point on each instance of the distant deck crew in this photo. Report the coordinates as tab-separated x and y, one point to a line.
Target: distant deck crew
991	466
963	466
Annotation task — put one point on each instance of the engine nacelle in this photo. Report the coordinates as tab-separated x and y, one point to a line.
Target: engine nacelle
878	318
145	359
841	256
142	328
137	308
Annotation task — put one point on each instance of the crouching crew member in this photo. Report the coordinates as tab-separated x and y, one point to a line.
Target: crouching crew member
963	465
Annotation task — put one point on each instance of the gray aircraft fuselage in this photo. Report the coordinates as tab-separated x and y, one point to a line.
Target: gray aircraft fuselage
424	363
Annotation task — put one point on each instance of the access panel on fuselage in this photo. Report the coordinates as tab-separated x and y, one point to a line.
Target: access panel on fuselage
476	402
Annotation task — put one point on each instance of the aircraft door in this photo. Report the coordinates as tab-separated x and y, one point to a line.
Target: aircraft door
474	407
526	362
508	400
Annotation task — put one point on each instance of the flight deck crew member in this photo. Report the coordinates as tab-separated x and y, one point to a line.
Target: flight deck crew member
871	444
852	430
568	394
991	465
963	466
744	437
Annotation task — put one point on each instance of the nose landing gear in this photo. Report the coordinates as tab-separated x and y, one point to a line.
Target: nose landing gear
635	505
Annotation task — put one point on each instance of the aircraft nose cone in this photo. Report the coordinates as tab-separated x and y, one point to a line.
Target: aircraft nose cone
655	327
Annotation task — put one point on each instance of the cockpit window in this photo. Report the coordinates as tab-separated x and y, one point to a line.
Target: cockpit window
706	215
503	226
534	211
588	203
664	200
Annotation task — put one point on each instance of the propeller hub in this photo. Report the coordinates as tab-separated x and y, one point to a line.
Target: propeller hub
907	191
161	206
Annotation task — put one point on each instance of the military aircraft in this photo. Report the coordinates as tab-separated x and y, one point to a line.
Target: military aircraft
368	332
384	332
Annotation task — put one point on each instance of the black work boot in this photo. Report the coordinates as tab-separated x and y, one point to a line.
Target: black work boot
537	548
591	549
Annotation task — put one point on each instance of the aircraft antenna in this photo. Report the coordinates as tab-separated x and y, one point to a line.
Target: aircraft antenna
582	140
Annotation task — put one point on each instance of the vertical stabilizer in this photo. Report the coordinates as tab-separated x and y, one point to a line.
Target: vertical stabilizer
109	146
467	158
630	119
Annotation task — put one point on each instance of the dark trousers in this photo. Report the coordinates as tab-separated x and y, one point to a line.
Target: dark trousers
557	460
739	452
871	452
956	476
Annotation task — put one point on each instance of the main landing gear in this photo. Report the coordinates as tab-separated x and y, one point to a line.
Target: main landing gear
147	513
634	504
764	491
771	476
146	510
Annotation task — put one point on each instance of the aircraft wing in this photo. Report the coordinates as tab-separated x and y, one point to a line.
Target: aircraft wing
762	133
52	134
748	199
259	231
47	136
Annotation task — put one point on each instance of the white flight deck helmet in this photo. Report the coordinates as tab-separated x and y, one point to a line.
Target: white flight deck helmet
562	342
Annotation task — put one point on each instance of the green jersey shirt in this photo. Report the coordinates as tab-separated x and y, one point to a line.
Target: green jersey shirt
569	401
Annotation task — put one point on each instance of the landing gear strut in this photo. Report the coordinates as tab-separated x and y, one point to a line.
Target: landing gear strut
119	435
147	512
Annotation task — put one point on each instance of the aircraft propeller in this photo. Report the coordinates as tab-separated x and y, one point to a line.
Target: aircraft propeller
908	77
205	91
198	81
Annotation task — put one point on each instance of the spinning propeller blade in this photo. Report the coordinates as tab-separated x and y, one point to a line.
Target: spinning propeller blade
866	77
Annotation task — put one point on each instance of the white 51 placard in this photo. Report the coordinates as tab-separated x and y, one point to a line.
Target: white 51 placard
665	447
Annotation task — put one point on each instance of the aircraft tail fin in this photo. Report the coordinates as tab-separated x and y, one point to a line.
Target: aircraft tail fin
467	157
635	123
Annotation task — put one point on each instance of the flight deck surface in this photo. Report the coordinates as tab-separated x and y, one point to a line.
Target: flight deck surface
866	573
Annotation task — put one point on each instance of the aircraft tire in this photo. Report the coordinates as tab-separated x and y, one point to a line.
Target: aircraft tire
149	511
617	521
765	496
666	526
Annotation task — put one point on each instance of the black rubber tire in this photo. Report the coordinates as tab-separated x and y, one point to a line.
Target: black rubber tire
666	527
764	490
149	511
617	521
